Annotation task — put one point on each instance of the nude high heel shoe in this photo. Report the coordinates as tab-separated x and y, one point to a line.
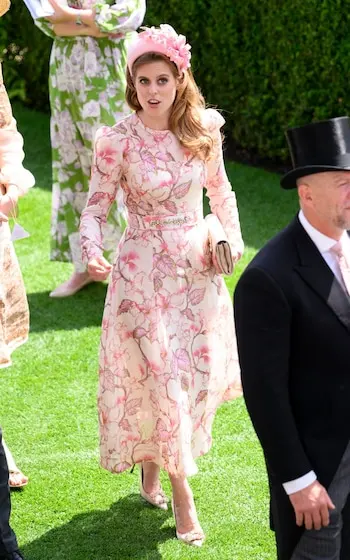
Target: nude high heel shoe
75	283
196	537
157	499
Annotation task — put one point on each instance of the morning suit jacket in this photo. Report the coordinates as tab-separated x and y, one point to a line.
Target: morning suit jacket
293	331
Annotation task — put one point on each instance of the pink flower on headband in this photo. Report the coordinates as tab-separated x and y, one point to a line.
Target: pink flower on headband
173	45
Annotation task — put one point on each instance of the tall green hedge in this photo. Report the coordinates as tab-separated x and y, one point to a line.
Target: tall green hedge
25	52
267	64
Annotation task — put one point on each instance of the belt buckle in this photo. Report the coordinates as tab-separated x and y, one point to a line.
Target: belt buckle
169	221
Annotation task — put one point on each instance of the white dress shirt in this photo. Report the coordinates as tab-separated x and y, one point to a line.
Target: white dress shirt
324	245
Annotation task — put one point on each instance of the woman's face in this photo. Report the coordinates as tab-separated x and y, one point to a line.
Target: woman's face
4	6
156	88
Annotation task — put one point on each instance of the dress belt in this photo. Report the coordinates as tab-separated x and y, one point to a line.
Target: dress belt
159	222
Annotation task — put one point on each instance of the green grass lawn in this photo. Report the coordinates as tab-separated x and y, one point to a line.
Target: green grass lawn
72	509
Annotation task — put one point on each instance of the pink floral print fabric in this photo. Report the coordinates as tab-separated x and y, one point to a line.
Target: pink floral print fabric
168	353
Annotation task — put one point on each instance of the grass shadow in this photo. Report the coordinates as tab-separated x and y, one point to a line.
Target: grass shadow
82	310
129	530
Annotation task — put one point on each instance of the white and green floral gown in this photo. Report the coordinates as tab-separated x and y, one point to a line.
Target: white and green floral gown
87	89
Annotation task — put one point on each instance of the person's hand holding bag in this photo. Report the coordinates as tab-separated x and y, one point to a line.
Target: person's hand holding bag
220	248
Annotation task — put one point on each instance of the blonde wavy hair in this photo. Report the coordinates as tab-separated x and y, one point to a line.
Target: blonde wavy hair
185	118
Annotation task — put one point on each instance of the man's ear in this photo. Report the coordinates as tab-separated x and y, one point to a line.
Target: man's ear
304	192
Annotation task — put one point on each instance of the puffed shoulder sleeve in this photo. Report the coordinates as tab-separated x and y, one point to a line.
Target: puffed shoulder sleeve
107	170
222	198
213	120
119	16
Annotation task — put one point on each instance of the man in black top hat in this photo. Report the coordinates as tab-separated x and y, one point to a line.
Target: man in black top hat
292	311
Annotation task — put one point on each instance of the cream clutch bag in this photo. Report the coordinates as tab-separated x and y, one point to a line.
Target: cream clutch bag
219	246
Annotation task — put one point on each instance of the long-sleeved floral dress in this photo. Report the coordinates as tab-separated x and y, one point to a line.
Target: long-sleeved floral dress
87	90
14	312
168	353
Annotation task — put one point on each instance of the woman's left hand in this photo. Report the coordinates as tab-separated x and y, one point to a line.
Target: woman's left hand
7	205
8	197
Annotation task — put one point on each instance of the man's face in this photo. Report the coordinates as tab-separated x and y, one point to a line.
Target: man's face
327	197
4	6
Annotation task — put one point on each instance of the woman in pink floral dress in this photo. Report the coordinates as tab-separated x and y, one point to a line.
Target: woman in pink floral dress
168	353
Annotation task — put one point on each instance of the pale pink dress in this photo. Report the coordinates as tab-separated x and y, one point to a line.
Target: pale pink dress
14	312
168	353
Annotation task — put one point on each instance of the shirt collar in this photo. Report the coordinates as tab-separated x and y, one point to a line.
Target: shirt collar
322	242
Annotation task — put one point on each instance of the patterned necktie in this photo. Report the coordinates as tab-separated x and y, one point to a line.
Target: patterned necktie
343	263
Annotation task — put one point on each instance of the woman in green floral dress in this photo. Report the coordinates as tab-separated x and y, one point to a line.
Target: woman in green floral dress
87	89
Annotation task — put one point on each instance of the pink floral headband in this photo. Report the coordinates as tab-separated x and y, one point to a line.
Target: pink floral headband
163	40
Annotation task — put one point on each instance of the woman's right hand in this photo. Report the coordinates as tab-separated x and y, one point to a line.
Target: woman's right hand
95	31
99	269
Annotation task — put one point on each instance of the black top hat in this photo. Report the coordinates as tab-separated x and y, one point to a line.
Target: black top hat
317	147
